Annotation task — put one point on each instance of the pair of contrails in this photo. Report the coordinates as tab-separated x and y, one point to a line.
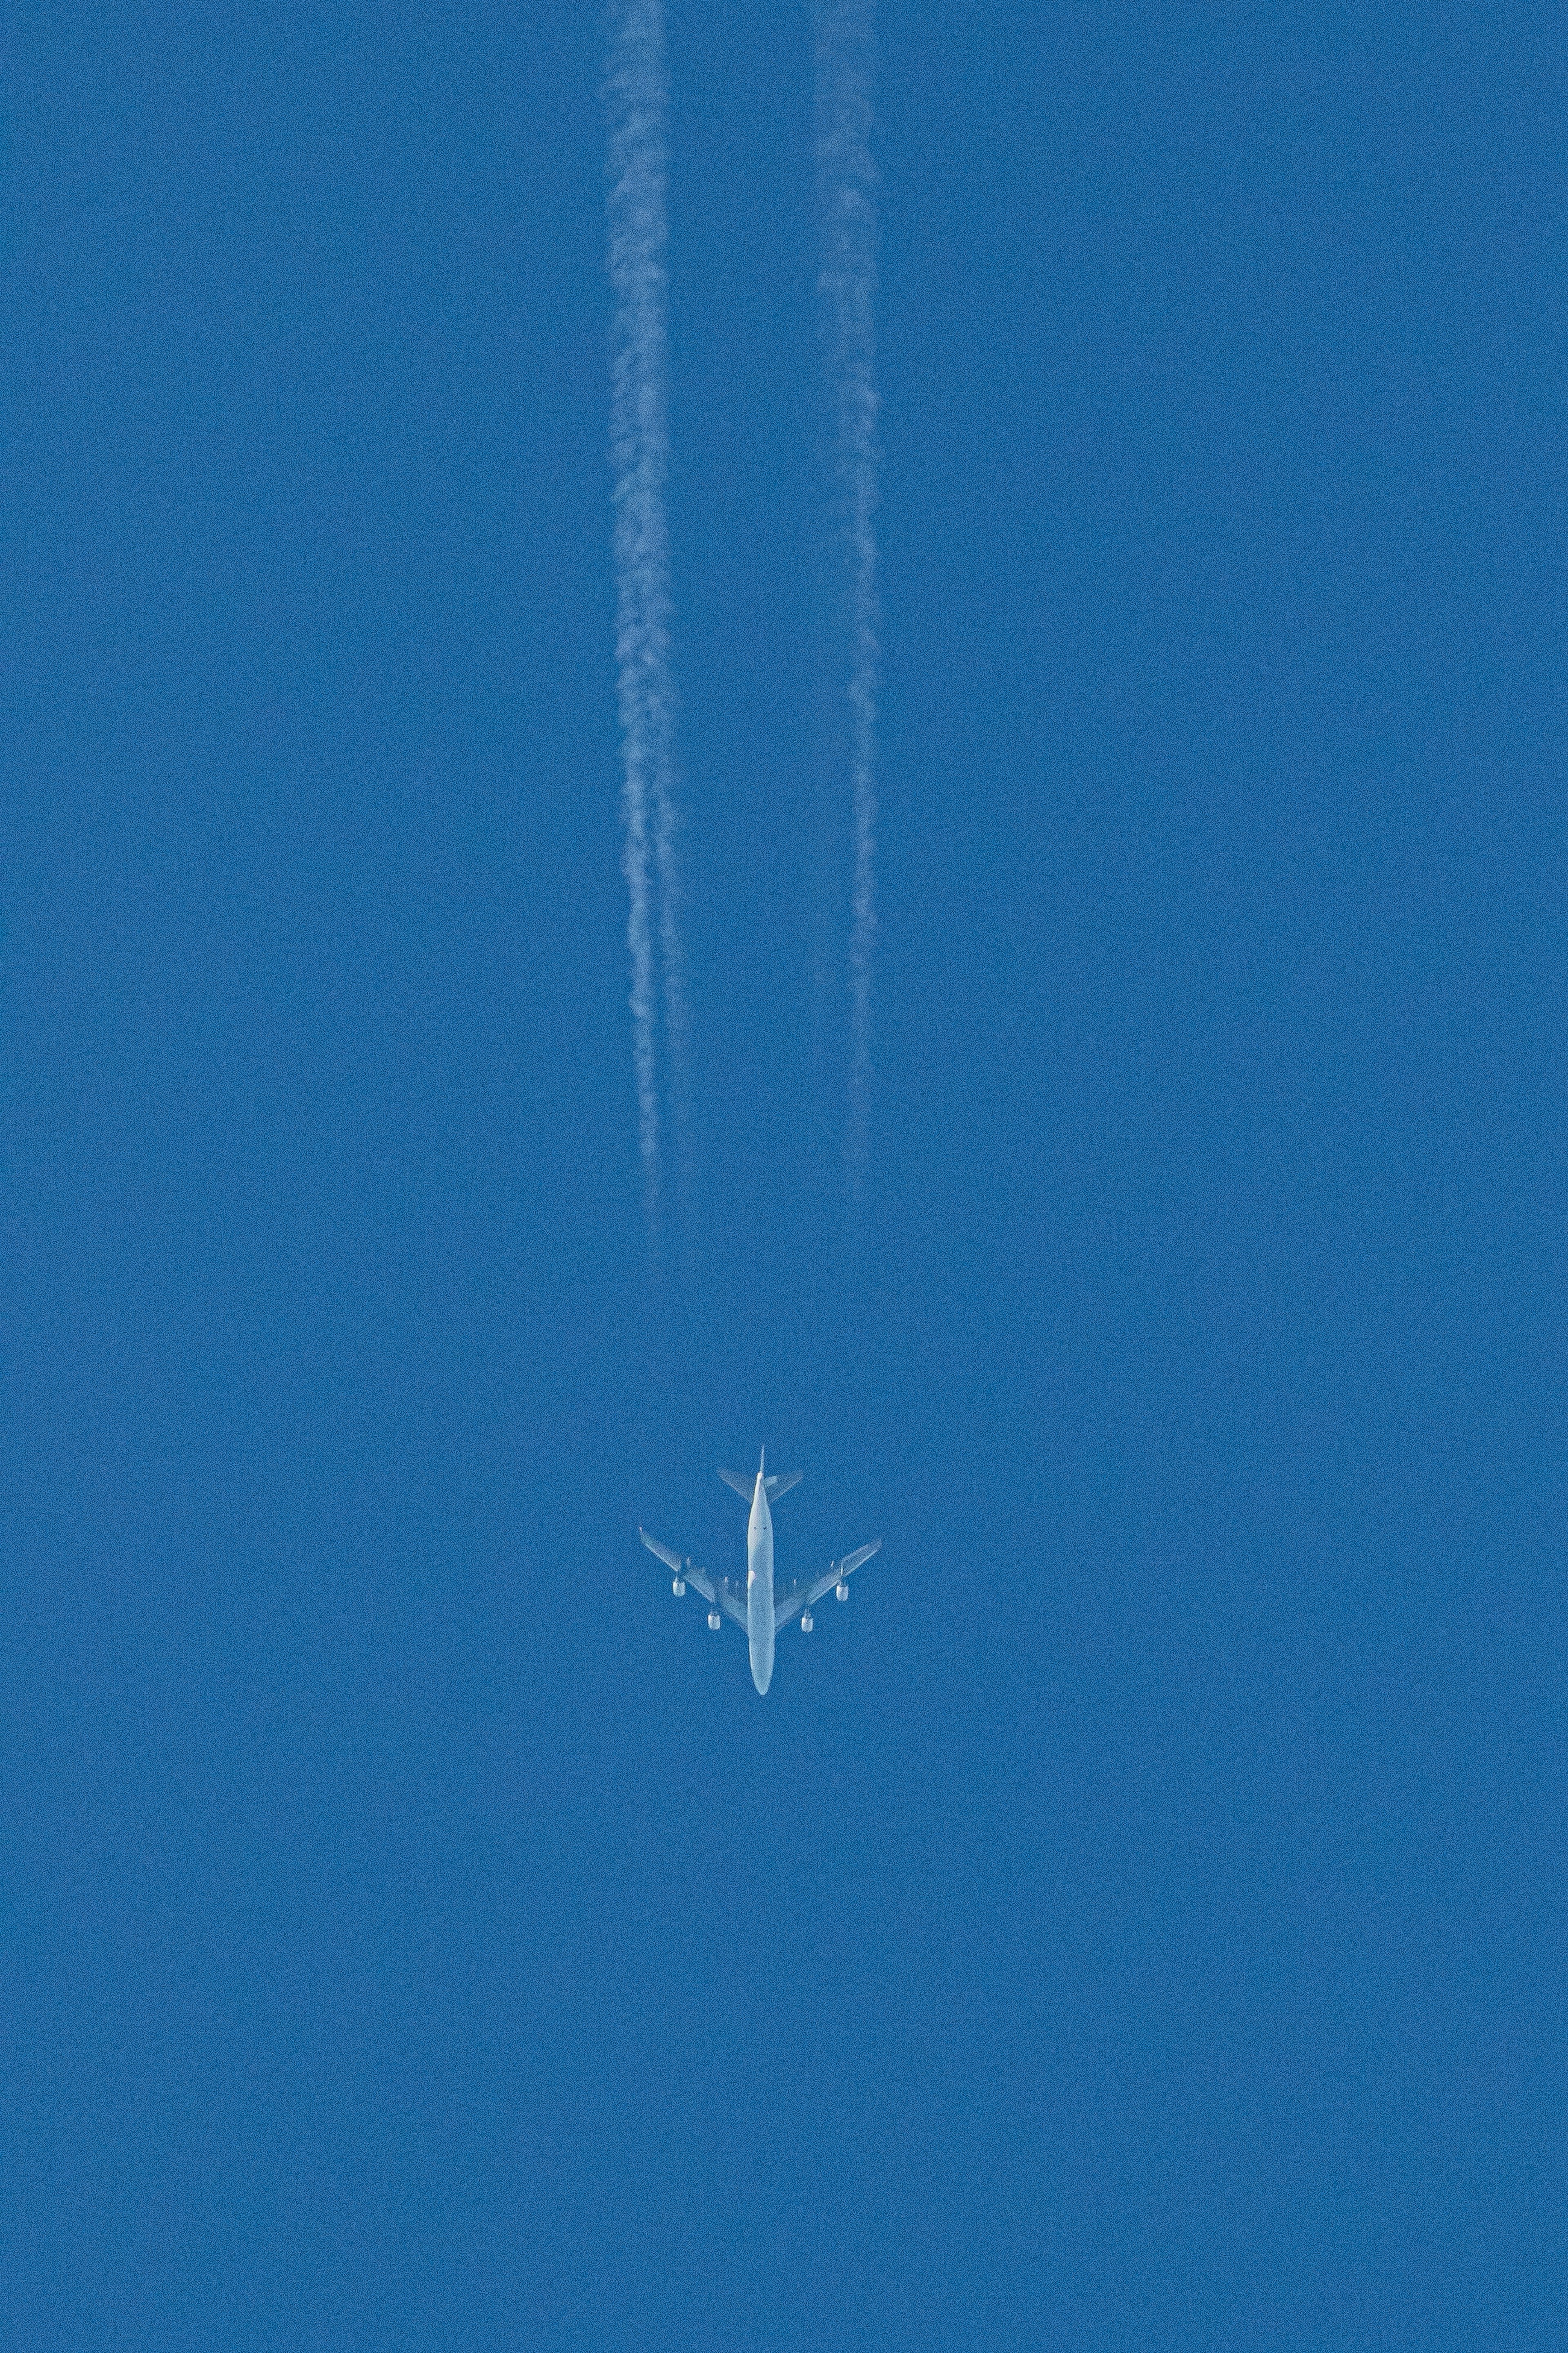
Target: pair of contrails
762	1613
645	682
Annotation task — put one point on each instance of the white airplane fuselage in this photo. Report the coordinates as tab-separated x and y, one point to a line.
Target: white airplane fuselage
760	1587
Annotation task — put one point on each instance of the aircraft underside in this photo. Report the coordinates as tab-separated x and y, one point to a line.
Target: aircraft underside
760	1610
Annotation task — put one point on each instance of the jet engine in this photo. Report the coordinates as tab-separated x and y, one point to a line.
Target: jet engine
714	1620
841	1592
805	1621
679	1587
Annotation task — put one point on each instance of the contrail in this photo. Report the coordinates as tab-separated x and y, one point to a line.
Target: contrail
639	460
846	189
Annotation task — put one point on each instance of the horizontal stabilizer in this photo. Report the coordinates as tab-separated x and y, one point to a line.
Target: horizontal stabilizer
771	1486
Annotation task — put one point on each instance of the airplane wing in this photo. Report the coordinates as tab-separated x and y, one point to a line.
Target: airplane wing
802	1596
717	1593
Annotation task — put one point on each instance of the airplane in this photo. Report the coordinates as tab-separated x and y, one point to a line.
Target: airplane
762	1617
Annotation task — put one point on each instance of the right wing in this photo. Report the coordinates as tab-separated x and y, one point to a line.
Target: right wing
803	1595
718	1594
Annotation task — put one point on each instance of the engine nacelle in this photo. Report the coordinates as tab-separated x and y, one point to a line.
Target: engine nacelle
805	1621
841	1592
714	1620
678	1588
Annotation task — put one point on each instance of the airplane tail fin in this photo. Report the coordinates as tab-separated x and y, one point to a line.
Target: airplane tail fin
772	1486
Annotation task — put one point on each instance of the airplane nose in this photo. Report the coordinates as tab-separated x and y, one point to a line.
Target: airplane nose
762	1673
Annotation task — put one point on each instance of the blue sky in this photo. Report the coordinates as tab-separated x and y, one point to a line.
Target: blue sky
1137	1918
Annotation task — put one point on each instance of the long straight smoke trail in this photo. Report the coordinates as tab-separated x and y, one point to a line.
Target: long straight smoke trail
639	462
845	186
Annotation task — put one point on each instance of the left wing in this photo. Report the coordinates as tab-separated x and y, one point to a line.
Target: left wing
801	1596
715	1591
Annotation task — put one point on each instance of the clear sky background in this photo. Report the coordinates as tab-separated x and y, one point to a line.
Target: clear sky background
1137	1918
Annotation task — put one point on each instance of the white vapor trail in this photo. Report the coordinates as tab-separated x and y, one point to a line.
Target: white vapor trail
845	187
639	462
